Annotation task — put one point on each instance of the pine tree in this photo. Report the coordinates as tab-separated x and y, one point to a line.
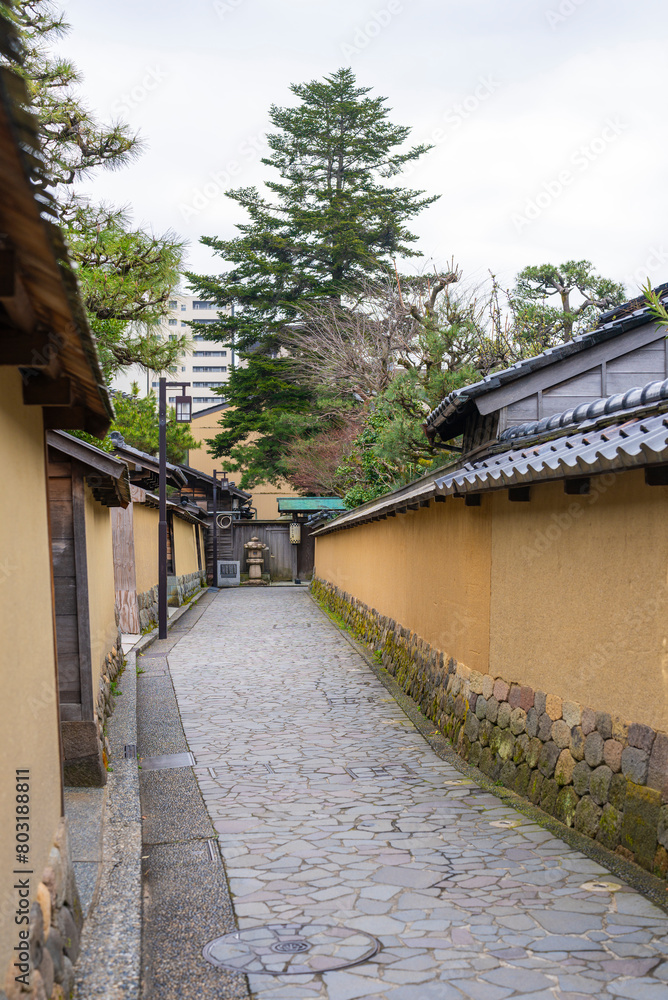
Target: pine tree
126	274
553	303
333	219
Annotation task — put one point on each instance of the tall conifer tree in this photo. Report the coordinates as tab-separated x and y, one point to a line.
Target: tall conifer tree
334	218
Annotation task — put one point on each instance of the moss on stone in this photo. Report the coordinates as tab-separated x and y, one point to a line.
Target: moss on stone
535	785
522	778
640	822
548	796
566	804
587	816
610	826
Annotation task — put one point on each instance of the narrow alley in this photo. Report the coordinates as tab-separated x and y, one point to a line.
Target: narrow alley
360	863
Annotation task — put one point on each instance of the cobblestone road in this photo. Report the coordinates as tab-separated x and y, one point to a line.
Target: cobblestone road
332	809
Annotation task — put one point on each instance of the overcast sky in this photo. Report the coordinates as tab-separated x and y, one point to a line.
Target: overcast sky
547	116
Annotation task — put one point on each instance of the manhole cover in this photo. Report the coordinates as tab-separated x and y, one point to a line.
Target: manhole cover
290	949
600	885
506	824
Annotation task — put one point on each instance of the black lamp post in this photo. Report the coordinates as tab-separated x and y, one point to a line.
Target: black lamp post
183	416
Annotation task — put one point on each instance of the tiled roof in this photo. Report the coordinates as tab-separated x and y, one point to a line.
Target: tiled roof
634	442
611	324
611	437
653	392
310	504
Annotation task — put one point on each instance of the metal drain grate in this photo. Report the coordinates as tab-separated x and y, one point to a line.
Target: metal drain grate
167	760
131	751
291	949
399	772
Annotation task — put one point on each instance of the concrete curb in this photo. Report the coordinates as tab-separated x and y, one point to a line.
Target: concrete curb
652	888
152	636
108	966
109	963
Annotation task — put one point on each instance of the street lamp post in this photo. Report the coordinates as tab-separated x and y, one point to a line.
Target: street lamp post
183	416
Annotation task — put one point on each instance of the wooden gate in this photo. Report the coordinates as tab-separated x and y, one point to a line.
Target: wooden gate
276	536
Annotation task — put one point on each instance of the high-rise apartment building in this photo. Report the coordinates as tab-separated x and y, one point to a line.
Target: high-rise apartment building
206	365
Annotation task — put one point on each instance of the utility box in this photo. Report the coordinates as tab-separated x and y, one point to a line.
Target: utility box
229	573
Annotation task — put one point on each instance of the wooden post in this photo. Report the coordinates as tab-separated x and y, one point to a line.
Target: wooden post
83	611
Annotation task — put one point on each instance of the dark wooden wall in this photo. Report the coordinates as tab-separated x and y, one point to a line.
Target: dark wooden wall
70	571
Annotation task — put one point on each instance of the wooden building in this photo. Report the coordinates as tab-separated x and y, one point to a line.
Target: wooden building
84	484
232	506
627	349
135	541
50	378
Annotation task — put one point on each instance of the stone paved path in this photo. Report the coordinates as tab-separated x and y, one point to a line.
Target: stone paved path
332	808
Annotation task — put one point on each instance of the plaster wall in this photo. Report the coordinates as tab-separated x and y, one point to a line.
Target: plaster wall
579	597
29	725
145	520
185	551
202	429
265	495
101	591
428	569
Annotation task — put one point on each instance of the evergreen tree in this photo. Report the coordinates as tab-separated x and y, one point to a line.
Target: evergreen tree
553	303
334	218
137	420
126	274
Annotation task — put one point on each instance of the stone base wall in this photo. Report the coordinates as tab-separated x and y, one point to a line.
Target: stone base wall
604	776
105	699
180	588
85	746
148	608
54	931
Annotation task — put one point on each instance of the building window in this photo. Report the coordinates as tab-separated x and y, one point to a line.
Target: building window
203	305
183	368
183	308
207	399
172	336
209	354
154	385
173	303
172	322
207	385
203	368
198	336
201	321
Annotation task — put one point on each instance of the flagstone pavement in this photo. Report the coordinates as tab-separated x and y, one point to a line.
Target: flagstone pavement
332	809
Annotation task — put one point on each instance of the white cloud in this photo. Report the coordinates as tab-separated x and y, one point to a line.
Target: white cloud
555	86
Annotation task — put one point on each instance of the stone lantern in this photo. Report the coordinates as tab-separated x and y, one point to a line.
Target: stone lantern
255	559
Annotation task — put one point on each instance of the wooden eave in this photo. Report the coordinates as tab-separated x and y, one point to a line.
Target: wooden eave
43	325
107	476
